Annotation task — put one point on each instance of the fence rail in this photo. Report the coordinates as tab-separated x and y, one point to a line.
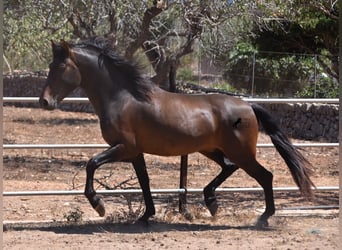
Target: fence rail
86	100
254	100
87	146
158	191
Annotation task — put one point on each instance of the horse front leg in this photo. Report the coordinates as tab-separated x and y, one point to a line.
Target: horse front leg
109	155
144	181
228	168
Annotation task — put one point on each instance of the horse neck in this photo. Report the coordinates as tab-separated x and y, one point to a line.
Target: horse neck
97	83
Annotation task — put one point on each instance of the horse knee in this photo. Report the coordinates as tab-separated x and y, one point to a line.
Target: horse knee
92	164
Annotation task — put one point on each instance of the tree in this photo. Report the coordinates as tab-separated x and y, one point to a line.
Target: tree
164	30
310	27
26	42
301	34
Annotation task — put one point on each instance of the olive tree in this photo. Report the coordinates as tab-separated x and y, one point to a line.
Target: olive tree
164	31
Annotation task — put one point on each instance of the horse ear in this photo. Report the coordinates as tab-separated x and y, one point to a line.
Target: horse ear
65	47
53	45
54	49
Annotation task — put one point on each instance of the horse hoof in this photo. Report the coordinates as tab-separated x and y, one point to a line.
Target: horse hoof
261	224
100	209
213	208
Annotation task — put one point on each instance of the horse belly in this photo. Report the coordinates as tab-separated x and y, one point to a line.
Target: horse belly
174	146
183	139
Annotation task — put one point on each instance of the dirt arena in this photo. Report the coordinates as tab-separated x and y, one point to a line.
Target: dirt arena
69	222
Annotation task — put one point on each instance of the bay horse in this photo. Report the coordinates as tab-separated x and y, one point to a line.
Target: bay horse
138	117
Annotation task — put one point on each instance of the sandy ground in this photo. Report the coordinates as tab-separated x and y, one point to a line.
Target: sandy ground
69	222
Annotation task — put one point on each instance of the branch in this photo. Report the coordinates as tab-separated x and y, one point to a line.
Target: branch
119	185
186	48
330	12
144	31
166	66
327	68
155	53
7	63
54	29
81	28
73	23
171	33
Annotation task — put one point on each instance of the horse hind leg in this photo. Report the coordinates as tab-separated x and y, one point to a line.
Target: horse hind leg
265	179
228	168
143	178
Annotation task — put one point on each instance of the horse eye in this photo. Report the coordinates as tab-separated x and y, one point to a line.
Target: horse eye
62	66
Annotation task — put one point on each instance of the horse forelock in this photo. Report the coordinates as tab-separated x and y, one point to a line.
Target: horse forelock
138	85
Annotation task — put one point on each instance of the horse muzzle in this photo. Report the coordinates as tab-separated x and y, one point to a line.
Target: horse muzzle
48	103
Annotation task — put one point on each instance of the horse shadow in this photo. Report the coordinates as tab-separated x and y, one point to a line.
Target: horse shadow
89	228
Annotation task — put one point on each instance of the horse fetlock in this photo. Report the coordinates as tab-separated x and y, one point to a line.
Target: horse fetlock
148	213
144	218
211	204
213	208
263	219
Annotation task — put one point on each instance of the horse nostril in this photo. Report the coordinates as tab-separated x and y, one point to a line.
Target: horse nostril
43	102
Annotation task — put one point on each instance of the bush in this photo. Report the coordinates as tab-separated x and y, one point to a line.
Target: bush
185	74
324	88
276	74
74	216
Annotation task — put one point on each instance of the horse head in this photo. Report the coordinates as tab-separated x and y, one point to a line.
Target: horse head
64	76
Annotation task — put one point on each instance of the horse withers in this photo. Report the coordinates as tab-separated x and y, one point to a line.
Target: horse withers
138	117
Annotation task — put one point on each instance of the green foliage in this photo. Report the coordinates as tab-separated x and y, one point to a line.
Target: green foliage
323	88
26	41
29	25
302	27
225	86
290	26
230	34
185	74
274	73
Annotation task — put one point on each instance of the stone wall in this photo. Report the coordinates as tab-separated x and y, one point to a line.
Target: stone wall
23	83
317	122
30	84
314	121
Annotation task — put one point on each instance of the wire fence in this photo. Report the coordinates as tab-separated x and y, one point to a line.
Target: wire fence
270	73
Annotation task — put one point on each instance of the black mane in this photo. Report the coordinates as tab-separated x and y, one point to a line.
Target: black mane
138	85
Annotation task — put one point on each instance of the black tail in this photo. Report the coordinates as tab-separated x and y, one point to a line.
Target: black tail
298	165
